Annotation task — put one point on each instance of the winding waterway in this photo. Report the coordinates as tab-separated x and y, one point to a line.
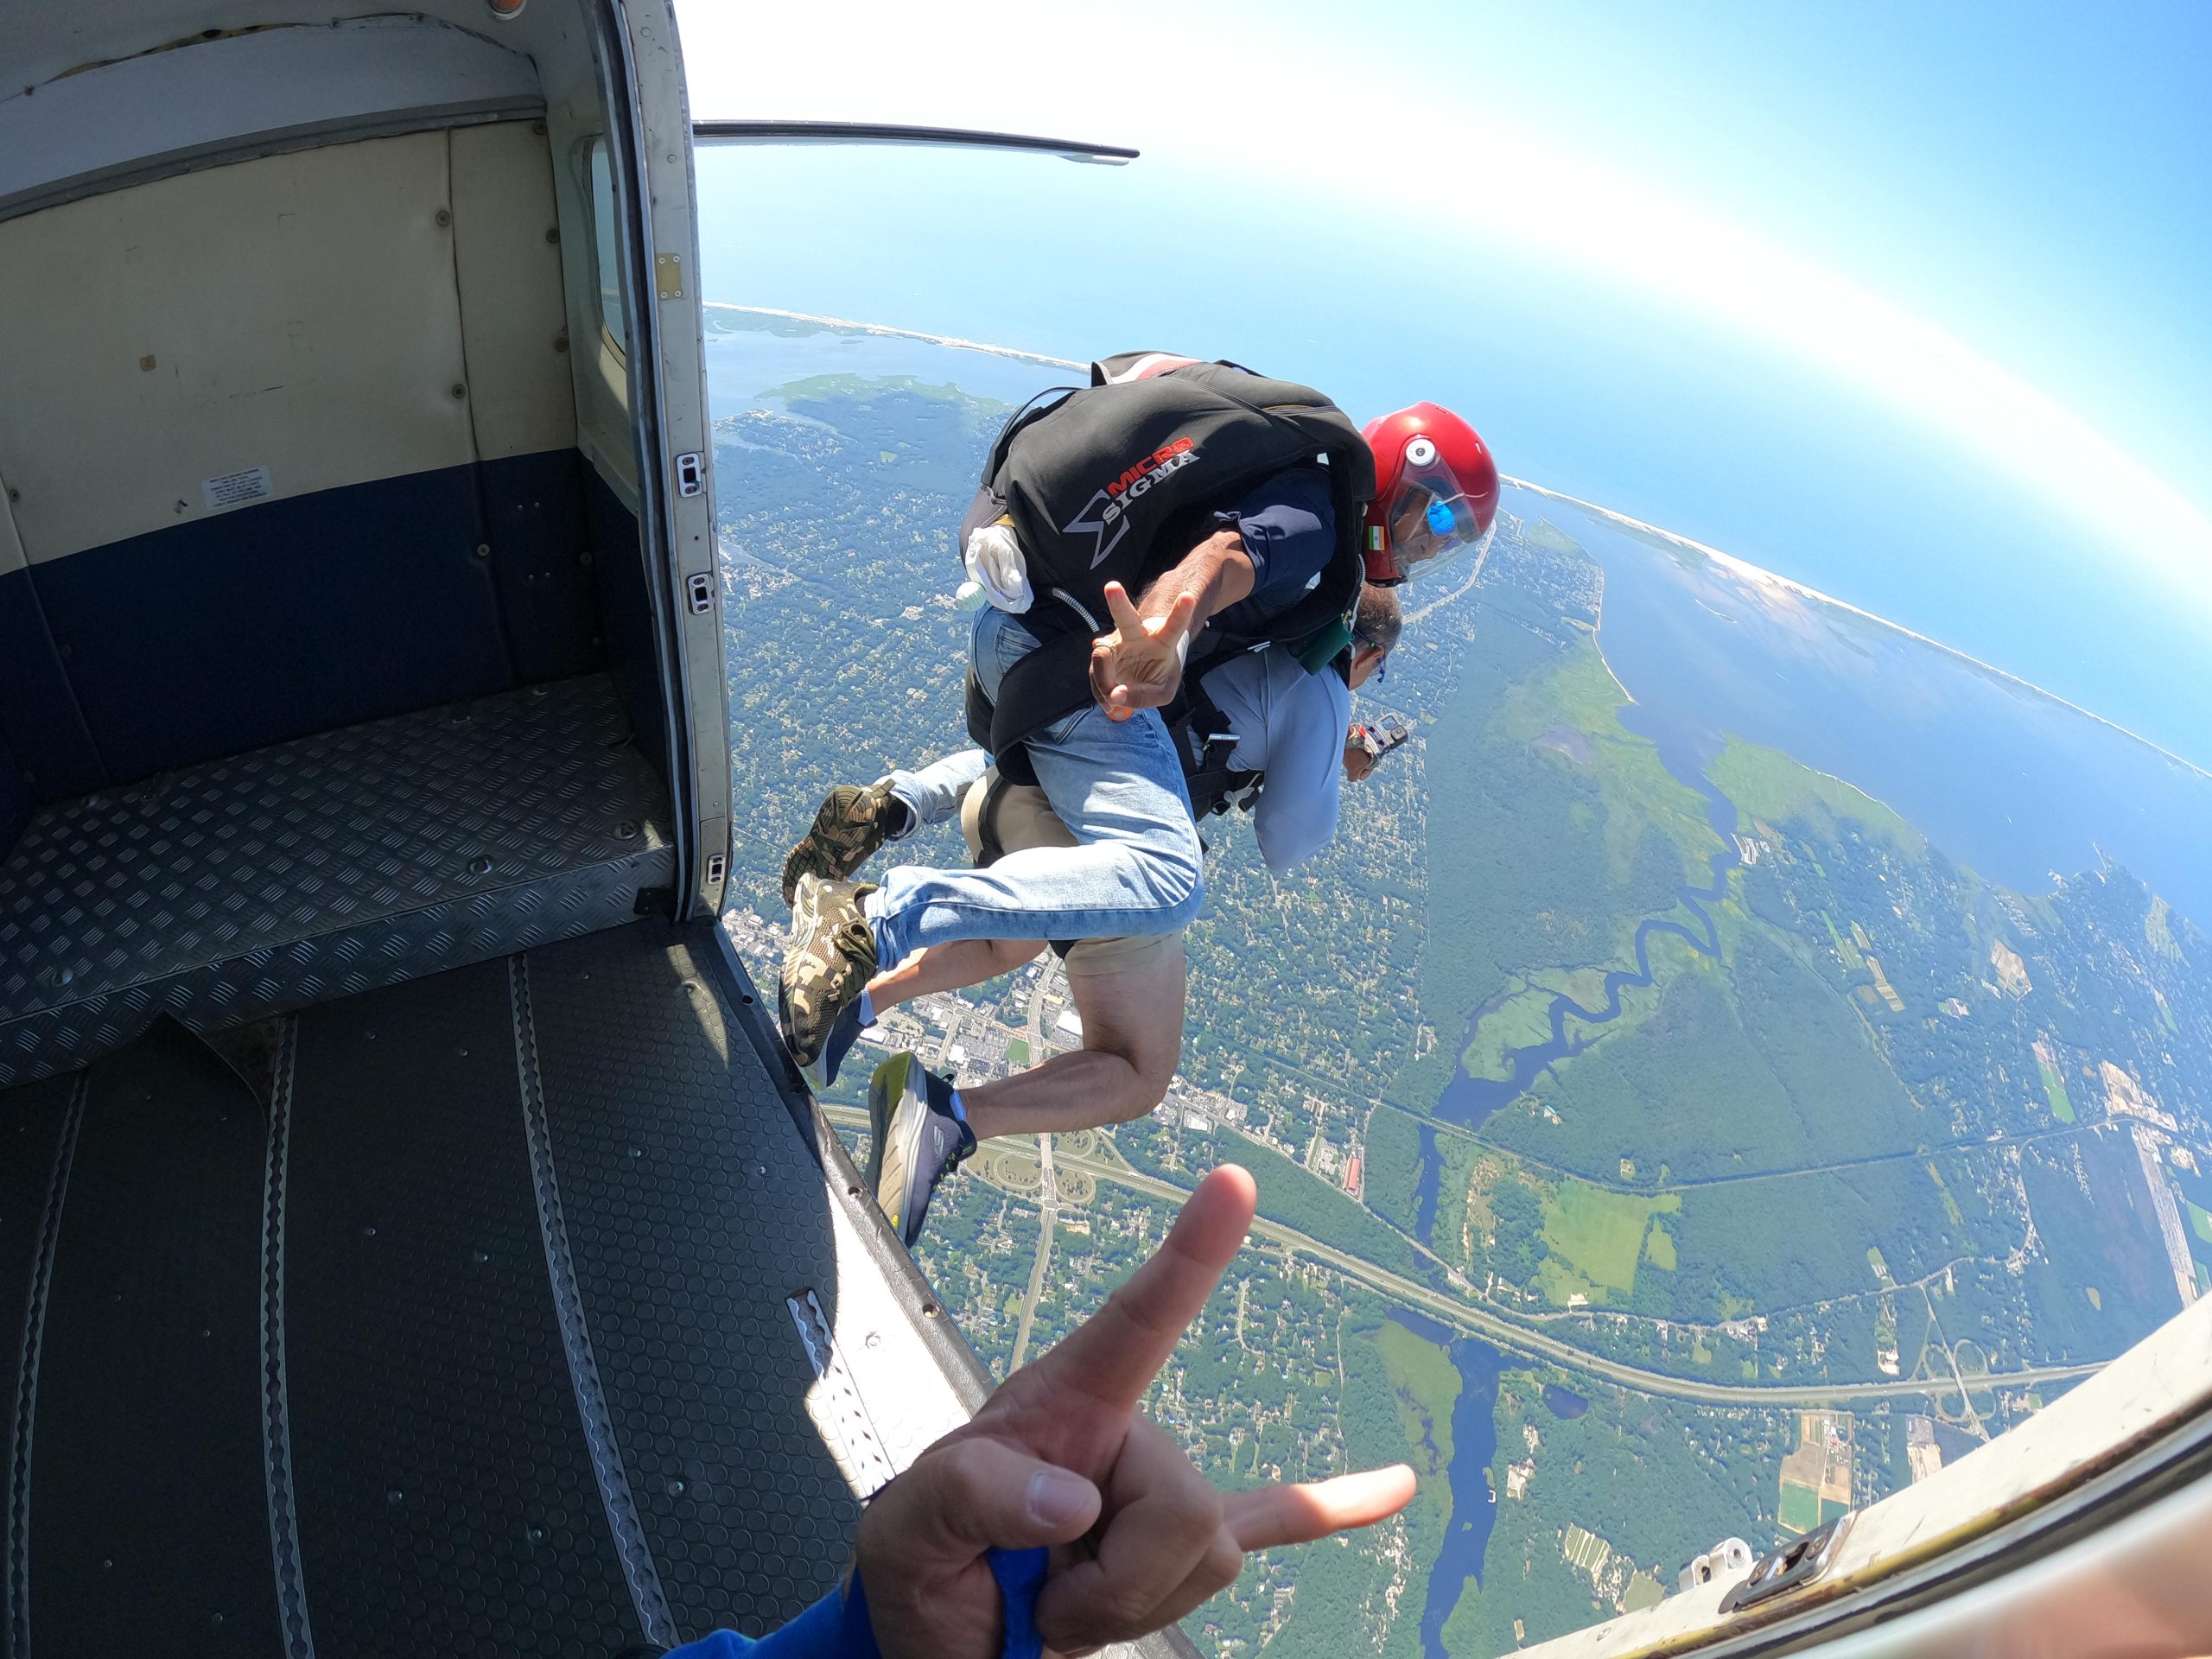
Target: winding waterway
1685	750
1474	1445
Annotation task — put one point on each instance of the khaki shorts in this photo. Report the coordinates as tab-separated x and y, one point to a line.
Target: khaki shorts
1026	819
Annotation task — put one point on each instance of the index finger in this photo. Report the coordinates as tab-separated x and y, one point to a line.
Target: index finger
1113	1355
1273	1516
1124	614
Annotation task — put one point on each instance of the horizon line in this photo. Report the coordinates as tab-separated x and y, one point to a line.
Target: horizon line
1741	565
1760	572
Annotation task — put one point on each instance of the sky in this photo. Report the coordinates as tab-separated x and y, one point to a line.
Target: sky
1905	303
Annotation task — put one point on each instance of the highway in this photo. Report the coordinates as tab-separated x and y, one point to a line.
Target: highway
1507	1334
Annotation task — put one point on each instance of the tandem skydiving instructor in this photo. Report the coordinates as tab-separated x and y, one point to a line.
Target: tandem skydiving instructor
1255	531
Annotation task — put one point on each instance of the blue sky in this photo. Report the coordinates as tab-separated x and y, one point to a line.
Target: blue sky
1902	303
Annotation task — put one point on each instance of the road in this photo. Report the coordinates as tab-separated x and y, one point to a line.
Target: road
1914	1154
1504	1332
1049	1192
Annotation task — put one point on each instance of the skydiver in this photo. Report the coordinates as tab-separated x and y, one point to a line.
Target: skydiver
1263	728
1060	1513
1238	567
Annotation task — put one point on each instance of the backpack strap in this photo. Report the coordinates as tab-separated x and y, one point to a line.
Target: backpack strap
1205	741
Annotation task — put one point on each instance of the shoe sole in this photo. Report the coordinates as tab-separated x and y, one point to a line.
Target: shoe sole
824	864
881	1106
806	921
899	1147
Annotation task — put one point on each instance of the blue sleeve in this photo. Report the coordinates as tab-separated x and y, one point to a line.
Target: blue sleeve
1297	810
835	1627
1290	534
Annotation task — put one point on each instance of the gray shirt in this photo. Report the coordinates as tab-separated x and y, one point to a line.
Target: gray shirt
1291	725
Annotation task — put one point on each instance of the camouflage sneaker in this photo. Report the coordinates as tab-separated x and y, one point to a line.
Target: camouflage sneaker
828	963
848	827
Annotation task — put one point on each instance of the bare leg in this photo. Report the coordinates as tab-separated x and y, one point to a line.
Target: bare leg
949	968
1131	1043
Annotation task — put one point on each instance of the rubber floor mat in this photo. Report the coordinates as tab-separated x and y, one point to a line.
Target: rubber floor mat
147	1512
693	1211
447	1498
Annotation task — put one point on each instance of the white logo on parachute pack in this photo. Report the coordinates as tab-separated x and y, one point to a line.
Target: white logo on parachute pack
1110	505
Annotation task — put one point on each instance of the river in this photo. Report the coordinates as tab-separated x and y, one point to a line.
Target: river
1467	1100
1474	1447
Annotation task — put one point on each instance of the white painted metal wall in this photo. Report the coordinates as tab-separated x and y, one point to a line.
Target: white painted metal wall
328	316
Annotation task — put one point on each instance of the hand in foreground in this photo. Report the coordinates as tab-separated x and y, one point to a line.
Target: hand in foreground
1060	1454
1139	663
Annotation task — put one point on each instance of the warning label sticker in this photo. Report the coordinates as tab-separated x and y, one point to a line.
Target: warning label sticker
234	489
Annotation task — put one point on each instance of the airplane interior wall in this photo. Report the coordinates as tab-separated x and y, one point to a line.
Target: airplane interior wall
290	444
14	799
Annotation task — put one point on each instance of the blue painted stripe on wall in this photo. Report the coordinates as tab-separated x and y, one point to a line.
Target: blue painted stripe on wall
54	756
272	621
533	509
15	800
625	615
289	617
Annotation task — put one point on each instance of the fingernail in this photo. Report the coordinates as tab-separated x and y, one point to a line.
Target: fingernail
1057	1497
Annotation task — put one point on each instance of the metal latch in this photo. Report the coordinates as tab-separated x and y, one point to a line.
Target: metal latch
700	589
1790	1567
717	869
690	473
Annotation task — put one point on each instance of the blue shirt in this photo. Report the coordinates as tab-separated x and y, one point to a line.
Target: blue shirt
1291	725
1289	529
835	1627
838	1626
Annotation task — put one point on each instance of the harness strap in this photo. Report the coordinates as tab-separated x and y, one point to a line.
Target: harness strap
989	847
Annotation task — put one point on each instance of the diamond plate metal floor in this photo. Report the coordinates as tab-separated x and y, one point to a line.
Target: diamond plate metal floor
323	867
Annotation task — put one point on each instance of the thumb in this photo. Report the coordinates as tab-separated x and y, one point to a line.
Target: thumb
973	1492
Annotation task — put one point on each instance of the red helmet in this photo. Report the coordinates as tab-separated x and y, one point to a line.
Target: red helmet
1435	492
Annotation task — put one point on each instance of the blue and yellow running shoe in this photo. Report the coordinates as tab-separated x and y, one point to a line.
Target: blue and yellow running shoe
917	1134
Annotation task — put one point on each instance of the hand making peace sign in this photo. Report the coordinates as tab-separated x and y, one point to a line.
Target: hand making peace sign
1139	663
1060	1456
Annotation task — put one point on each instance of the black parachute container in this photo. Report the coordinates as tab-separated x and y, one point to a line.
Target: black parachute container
1112	482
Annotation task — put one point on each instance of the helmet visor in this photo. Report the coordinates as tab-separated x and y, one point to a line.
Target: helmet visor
1431	518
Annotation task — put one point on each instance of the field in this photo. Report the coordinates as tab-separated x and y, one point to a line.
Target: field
1801	1507
1585	1549
1426	1384
2055	1087
1600	1235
